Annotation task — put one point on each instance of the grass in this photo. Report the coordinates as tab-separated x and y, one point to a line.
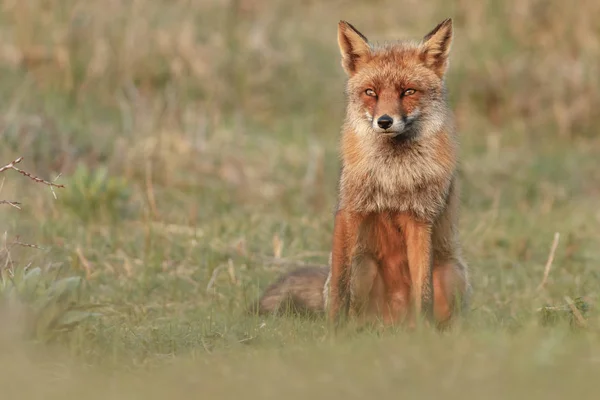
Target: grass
183	130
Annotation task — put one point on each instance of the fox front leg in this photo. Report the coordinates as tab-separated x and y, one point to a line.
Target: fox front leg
338	280
420	264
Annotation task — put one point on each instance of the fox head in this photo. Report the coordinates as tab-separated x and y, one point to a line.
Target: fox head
396	89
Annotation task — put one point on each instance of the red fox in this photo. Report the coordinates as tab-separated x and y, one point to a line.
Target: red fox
395	253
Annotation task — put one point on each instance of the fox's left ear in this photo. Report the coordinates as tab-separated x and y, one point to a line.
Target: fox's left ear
436	47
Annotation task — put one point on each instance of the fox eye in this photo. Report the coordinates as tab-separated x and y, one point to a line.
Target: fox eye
370	92
408	92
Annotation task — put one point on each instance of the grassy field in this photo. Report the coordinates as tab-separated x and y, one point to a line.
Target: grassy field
197	143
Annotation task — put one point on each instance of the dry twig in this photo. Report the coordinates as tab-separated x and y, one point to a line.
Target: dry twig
12	165
84	261
213	278
283	262
17	243
550	260
15	204
52	185
576	313
239	249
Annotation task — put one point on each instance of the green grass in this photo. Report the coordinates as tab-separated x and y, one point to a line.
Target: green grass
217	129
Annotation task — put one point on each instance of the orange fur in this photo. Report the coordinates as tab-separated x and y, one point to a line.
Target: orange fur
395	249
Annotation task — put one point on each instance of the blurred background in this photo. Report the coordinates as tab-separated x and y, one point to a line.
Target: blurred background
197	142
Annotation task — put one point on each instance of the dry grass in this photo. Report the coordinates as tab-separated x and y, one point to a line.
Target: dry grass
184	129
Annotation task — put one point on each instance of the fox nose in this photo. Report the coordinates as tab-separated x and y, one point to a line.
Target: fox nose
385	121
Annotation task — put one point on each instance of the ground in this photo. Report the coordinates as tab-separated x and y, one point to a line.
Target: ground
197	143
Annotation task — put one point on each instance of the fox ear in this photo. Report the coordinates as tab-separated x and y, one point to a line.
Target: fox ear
436	47
354	47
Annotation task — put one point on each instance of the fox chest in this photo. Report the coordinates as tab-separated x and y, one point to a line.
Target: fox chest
382	236
394	190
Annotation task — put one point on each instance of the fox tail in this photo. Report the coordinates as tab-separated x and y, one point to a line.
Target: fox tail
302	291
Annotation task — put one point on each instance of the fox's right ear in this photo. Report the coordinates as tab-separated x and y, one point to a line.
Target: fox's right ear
354	47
